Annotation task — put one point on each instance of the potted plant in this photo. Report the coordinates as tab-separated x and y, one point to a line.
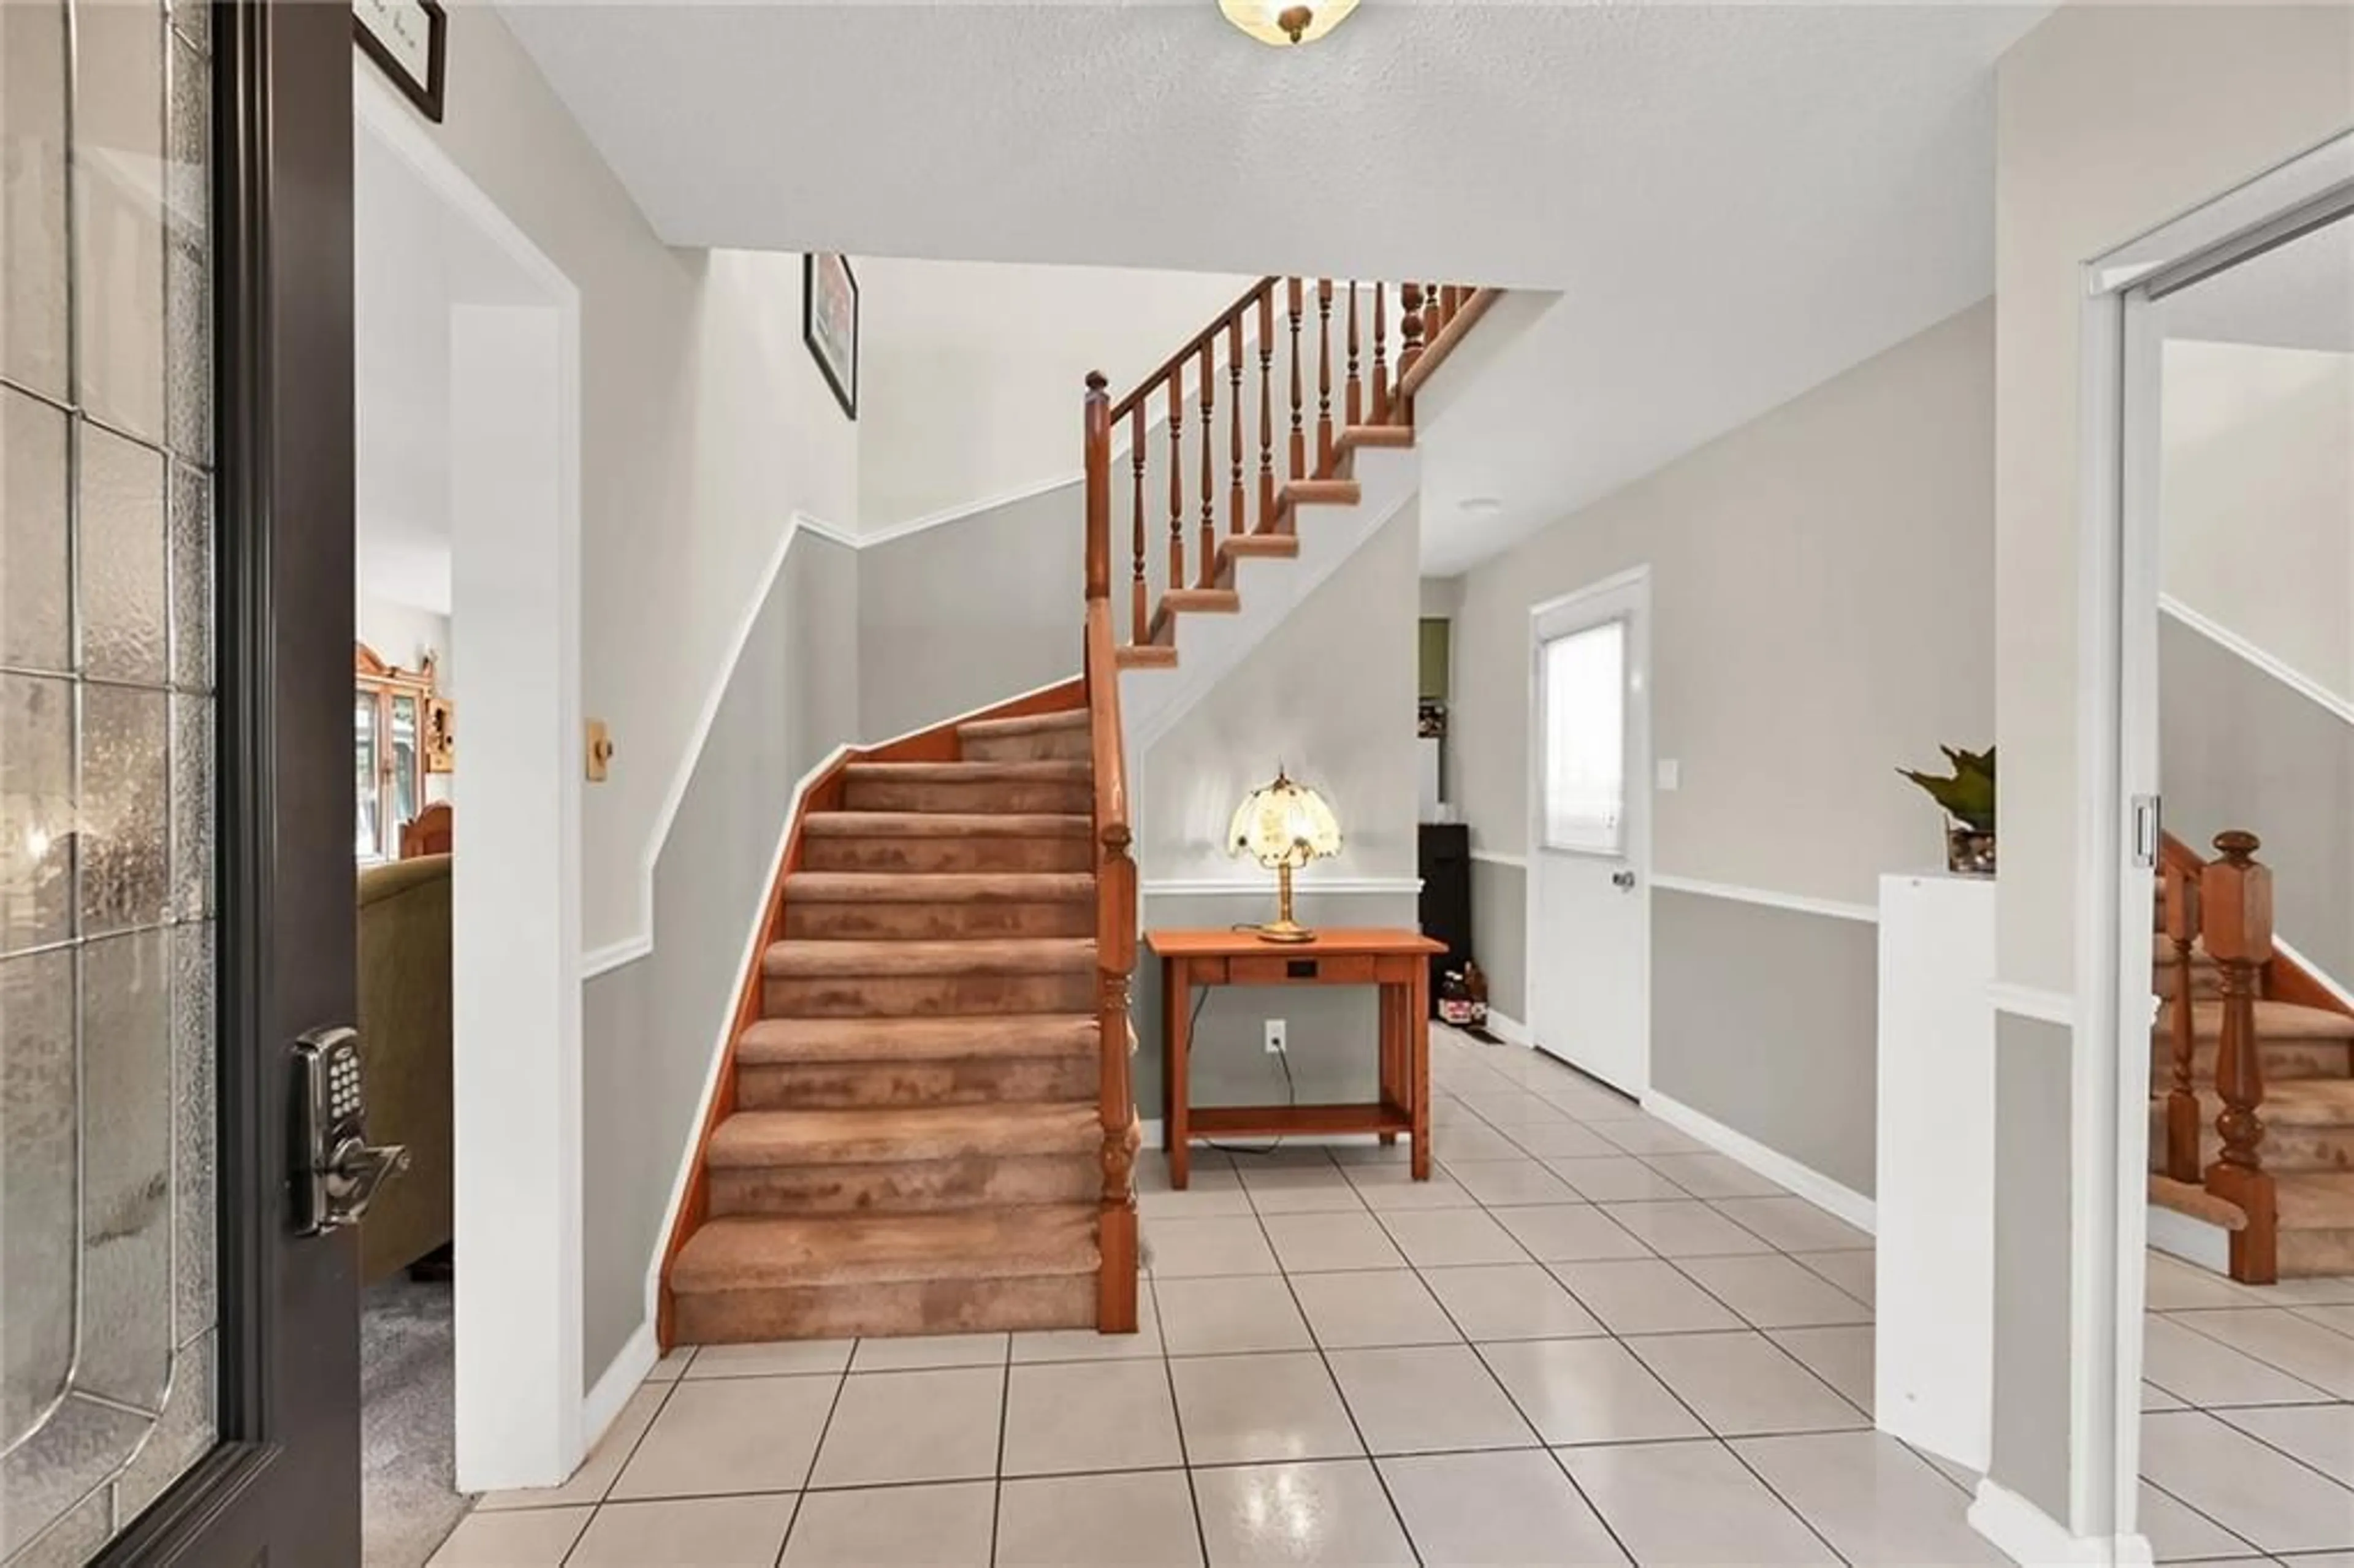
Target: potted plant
1969	799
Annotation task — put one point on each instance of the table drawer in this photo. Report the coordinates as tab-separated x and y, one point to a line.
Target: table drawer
1278	969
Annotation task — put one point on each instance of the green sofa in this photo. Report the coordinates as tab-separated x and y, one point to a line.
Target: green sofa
404	1054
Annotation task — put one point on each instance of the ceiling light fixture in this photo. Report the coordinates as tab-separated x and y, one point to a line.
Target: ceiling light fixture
1286	22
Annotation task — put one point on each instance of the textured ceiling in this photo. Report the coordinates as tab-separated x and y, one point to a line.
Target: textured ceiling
1736	201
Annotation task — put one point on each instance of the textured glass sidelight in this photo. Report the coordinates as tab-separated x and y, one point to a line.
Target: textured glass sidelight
108	1111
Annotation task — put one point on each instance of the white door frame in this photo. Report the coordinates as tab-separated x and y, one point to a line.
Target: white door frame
515	965
1638	777
2117	610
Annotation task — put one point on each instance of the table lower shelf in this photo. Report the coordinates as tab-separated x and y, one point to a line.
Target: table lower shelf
1267	1121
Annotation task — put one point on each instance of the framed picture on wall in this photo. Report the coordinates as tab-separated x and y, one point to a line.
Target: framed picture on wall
829	323
409	41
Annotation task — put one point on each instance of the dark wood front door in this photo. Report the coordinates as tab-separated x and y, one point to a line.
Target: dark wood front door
177	877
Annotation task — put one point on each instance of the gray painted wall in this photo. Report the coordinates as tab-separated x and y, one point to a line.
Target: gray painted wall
967	613
1768	1020
649	1028
1330	694
1500	934
2031	1250
2241	749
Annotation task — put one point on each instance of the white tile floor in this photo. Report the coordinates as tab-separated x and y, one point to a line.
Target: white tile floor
1586	1339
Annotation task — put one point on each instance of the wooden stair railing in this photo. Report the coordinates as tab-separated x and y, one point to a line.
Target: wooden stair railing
1339	376
2235	897
2182	1092
1115	869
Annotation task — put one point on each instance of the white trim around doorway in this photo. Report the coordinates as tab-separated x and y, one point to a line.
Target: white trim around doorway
521	1414
2119	605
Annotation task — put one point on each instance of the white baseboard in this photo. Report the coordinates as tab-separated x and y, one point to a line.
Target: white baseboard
1774	1166
619	1380
2026	1535
1509	1028
2192	1239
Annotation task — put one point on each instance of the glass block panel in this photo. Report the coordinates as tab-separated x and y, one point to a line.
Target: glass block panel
34	261
36	623
37	811
119	115
127	1118
188	259
38	1140
74	1452
195	1142
192	577
124	868
124	626
192	806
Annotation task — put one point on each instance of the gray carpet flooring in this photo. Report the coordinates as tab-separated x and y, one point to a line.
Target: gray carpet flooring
408	1494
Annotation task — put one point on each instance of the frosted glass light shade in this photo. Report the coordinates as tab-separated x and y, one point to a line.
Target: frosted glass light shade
1284	824
1283	23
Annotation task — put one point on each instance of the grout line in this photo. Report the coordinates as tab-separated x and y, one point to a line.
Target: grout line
1004	1418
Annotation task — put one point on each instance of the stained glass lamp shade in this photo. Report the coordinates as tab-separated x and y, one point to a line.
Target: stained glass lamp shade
1283	826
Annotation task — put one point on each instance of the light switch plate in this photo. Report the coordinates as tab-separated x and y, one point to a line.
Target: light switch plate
1670	775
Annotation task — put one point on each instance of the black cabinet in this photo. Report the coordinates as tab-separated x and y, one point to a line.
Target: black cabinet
1445	859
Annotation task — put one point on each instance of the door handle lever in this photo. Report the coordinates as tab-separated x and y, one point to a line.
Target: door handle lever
1622	880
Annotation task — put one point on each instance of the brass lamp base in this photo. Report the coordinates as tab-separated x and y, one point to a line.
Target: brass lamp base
1283	928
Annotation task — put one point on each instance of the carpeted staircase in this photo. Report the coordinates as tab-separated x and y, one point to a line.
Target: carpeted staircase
2309	1105
912	1143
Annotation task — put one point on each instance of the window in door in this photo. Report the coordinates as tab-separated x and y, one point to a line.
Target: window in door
1583	777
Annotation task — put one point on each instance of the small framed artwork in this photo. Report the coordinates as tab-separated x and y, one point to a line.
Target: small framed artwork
829	323
409	41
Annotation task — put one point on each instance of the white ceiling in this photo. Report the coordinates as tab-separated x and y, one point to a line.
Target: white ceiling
1737	201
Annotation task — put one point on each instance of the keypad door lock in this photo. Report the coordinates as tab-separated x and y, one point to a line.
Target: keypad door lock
338	1171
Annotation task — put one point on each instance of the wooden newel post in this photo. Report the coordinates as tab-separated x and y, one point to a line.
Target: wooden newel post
1098	457
2236	900
2182	1095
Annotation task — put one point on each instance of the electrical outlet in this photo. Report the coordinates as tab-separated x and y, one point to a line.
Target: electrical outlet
1275	1037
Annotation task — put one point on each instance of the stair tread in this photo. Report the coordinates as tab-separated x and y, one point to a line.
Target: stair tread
1027	724
2315	1200
1283	545
1057	770
763	1251
1323	492
866	1134
949	824
803	956
773	1041
2275	1020
939	887
1202	600
1145	656
2295	1102
1376	435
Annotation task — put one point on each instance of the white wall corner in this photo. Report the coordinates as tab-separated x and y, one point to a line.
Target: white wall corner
1771	1163
2026	1535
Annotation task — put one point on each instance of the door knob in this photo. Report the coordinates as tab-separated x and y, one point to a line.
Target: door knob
1622	880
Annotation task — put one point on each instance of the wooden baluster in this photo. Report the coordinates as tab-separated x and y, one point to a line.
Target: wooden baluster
1323	376
1235	419
2182	1095
1299	436
1176	578
1450	300
1381	355
1208	564
2236	907
1267	408
1409	329
1139	616
1355	405
1431	321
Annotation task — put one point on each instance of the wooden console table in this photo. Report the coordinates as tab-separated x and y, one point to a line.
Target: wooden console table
1396	961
